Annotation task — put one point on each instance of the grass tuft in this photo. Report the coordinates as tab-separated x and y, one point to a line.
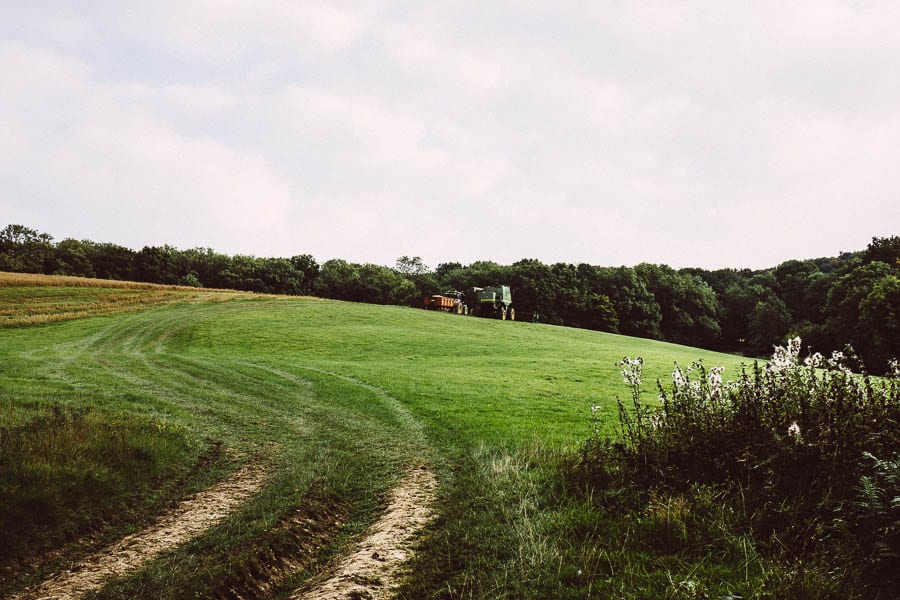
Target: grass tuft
67	472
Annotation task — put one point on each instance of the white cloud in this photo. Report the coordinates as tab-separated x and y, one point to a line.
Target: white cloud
214	31
89	154
595	132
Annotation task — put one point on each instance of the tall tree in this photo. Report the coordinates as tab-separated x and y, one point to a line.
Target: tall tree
636	308
110	261
157	264
879	323
536	289
24	250
70	257
307	265
886	250
417	273
688	306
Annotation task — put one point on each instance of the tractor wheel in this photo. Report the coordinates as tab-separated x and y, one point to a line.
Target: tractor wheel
503	313
459	309
511	313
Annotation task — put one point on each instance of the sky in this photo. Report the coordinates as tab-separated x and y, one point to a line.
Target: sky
710	134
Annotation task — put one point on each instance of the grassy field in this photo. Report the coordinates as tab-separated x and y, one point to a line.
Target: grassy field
142	407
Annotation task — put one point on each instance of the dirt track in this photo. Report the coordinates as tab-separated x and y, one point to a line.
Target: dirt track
375	568
187	520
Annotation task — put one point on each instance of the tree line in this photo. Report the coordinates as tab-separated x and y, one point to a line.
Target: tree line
851	299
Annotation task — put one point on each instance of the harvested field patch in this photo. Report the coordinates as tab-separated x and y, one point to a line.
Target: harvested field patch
37	280
27	299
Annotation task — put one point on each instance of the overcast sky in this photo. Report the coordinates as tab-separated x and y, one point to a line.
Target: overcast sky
713	134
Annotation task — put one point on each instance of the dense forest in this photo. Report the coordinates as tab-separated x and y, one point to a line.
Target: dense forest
831	303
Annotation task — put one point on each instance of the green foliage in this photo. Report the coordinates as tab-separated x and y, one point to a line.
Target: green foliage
411	267
886	250
862	311
879	321
190	280
70	258
156	264
364	283
639	313
769	320
23	250
872	521
307	265
791	446
689	308
110	261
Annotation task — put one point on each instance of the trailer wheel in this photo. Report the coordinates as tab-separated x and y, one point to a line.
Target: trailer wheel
503	313
511	313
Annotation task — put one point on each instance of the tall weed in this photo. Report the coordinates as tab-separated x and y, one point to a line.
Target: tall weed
807	453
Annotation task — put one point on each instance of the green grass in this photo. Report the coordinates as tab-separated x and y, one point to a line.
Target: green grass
466	378
336	397
65	464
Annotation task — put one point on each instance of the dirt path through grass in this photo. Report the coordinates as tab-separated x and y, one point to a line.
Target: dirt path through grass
187	520
374	569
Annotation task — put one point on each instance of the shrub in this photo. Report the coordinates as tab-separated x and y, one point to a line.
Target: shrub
807	452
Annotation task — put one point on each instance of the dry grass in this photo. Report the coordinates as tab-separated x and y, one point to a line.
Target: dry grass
37	280
27	299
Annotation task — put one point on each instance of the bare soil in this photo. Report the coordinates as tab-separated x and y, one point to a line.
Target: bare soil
187	520
375	568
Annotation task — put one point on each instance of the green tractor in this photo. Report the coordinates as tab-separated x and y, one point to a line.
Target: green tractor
492	302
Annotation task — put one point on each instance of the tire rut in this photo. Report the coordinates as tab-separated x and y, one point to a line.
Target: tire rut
265	564
189	519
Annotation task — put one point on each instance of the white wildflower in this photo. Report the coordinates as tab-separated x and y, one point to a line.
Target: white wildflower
678	378
714	379
814	361
794	431
837	360
632	370
785	358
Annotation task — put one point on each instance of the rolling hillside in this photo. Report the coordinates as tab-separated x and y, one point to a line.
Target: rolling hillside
332	401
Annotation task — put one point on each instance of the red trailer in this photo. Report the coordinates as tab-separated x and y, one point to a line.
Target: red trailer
447	302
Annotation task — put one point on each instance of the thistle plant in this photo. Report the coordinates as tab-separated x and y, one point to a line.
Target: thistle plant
795	440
